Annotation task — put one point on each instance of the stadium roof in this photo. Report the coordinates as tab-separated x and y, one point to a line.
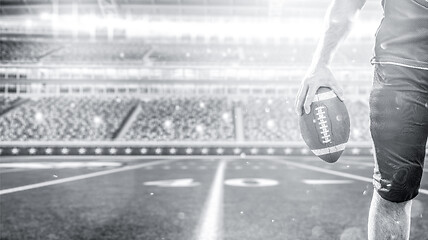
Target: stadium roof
137	8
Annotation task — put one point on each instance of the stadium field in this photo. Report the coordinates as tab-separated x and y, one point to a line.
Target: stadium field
191	198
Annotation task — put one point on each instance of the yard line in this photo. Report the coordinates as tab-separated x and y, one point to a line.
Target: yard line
84	176
332	172
210	226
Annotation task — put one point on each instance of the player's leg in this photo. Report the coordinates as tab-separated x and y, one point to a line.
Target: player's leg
399	128
388	220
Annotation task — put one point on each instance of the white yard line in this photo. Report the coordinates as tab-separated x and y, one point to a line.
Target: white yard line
332	172
210	226
83	176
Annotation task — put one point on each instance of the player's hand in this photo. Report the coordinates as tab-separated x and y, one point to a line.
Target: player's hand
315	78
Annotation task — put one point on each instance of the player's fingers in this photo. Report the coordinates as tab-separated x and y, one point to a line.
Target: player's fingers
309	98
301	95
338	91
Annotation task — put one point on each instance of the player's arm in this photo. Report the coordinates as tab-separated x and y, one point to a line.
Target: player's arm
338	22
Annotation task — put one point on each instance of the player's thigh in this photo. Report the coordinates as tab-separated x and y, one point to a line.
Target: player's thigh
399	128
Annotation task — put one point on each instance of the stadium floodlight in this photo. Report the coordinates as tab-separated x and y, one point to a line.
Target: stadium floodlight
32	151
48	150
237	151
82	151
98	151
270	151
128	150
64	151
28	23
45	16
172	151
220	151
158	151
254	151
112	150
143	150
15	150
204	150
189	150
288	151
355	151
304	151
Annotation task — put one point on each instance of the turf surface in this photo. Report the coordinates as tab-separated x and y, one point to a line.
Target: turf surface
128	205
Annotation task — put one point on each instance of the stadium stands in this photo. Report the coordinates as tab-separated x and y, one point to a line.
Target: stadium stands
24	51
96	53
119	53
270	120
183	119
65	119
195	54
160	119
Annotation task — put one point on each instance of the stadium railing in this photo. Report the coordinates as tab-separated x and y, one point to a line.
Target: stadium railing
133	148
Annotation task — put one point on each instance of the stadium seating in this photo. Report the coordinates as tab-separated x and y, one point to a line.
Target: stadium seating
195	54
7	102
160	119
24	51
183	119
65	119
270	120
97	53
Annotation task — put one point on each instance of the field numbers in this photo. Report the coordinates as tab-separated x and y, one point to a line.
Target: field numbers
185	182
251	182
236	182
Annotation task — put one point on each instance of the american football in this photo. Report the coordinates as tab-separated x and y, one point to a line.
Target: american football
326	128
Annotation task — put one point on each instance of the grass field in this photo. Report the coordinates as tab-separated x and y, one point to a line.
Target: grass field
195	198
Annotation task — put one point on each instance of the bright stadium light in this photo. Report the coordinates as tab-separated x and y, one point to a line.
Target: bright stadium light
355	151
45	16
143	150
98	151
304	151
288	151
220	150
82	151
128	150
204	151
32	151
158	151
237	151
28	23
15	150
254	151
64	151
48	150
270	151
172	151
112	150
189	150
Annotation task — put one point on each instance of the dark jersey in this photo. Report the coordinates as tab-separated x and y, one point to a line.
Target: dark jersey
402	38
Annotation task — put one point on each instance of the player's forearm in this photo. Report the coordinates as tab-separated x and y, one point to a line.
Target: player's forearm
338	22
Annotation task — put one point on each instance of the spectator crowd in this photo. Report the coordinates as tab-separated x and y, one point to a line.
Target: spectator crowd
159	119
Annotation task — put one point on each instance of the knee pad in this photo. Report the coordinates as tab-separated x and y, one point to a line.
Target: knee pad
400	185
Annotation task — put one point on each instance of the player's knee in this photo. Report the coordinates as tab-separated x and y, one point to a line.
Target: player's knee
402	185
